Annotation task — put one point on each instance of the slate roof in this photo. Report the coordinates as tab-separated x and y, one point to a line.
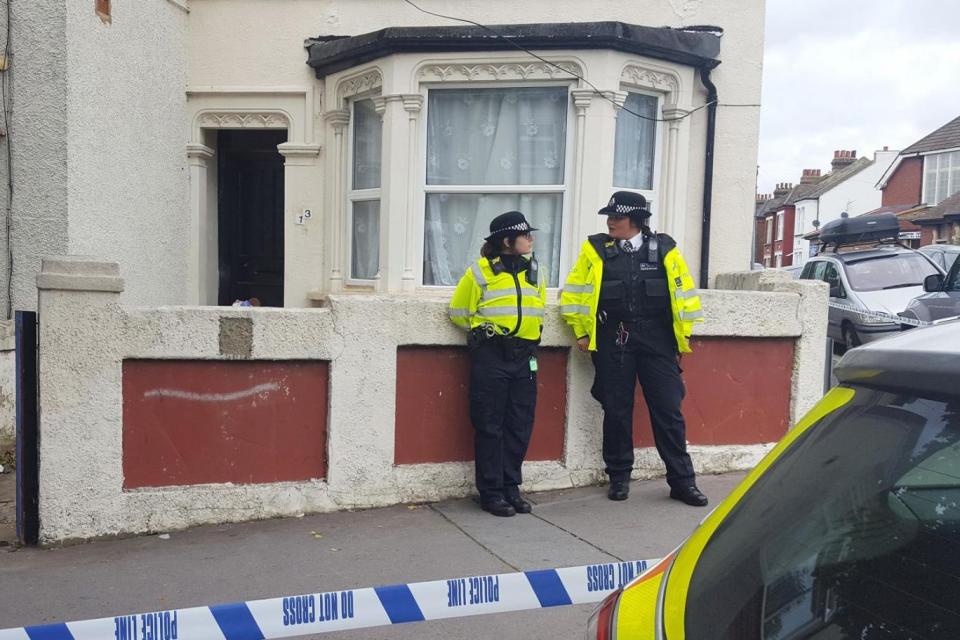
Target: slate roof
695	47
946	137
834	178
949	207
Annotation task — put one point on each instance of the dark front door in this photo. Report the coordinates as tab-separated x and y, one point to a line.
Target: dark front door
251	216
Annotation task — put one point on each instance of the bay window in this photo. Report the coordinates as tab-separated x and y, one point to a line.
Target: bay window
941	176
635	144
364	193
488	151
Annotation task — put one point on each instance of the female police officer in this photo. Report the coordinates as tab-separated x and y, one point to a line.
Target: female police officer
631	302
500	301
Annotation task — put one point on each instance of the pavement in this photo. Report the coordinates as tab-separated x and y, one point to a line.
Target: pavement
352	549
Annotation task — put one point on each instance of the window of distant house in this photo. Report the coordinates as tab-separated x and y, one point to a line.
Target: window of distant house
491	150
779	226
634	153
769	230
363	196
778	260
799	223
941	176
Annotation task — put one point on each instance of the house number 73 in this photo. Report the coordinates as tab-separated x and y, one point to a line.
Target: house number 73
303	217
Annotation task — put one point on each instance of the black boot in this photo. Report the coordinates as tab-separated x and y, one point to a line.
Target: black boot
498	507
518	503
619	489
689	495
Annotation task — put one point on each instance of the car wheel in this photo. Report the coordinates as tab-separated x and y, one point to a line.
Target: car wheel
851	338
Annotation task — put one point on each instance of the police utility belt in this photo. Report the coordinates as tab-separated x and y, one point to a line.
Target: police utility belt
512	347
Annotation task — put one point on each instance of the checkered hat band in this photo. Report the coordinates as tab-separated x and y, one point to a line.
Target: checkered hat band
626	208
523	226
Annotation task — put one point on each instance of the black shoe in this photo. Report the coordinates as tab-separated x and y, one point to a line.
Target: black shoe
619	490
519	504
689	495
498	507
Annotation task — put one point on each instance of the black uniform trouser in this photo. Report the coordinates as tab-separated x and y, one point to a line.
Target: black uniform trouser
648	357
503	397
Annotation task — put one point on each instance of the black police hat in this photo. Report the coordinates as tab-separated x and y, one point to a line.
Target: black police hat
626	203
508	224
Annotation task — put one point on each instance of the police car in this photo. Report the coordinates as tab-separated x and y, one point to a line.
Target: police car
848	528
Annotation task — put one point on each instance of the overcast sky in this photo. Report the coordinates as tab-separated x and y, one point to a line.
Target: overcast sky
853	74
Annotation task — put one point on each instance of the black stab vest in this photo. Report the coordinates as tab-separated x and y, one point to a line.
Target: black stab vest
634	284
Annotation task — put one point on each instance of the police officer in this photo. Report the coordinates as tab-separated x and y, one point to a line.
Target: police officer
631	303
500	301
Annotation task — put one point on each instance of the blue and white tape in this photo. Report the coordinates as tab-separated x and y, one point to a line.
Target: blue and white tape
354	608
880	315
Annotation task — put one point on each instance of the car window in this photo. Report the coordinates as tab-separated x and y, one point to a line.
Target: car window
813	270
832	276
950	258
842	540
952	282
889	272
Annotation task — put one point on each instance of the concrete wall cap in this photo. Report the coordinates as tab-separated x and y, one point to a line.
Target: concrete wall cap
79	273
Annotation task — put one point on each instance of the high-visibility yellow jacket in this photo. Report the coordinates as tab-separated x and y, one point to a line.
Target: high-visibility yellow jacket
489	294
580	296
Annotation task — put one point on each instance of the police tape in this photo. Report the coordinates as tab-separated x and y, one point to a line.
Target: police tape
889	317
315	613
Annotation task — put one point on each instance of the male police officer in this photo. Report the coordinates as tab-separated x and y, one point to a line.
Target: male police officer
631	302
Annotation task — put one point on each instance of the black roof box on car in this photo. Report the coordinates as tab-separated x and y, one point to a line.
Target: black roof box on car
862	229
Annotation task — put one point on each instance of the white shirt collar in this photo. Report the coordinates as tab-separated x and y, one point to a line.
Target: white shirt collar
635	241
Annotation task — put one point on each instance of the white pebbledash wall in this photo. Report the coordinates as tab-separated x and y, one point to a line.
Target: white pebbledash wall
86	333
98	136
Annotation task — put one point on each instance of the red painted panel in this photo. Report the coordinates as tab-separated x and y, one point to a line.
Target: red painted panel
433	412
198	421
738	392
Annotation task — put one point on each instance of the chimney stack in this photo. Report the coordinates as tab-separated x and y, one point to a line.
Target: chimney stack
842	158
782	189
762	197
810	176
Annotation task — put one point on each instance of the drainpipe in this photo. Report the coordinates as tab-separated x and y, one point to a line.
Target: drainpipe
707	175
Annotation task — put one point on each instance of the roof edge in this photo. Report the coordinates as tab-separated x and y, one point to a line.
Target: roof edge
330	54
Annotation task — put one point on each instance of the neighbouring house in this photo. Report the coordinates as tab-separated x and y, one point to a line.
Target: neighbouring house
770	225
926	176
849	187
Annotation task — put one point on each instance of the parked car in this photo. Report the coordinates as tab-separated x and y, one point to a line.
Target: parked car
848	528
943	254
793	270
942	299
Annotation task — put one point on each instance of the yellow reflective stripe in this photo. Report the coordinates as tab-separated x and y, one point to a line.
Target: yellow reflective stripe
528	312
478	274
689	316
492	294
578	288
689	293
678	586
459	313
575	308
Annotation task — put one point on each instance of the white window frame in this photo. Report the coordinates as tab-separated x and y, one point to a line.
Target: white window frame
798	221
568	167
780	226
770	224
650	194
360	195
778	259
952	156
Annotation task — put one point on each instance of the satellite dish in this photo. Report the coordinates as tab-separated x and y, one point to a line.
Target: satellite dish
844	214
816	224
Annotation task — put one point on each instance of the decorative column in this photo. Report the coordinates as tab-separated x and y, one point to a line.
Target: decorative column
202	272
673	216
302	224
395	207
339	119
412	104
582	98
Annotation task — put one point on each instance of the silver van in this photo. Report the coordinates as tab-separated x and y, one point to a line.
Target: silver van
882	280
